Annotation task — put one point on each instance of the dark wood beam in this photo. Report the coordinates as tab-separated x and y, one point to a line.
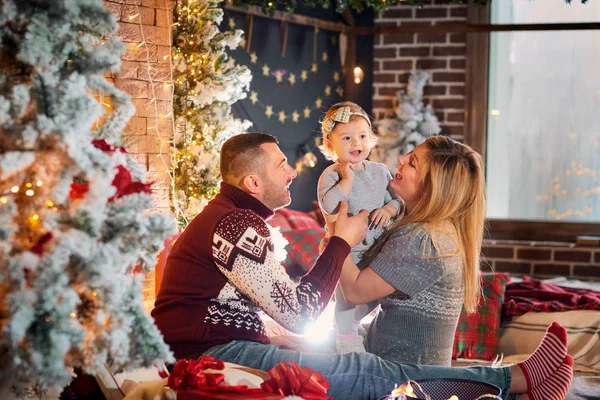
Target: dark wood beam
472	28
291	18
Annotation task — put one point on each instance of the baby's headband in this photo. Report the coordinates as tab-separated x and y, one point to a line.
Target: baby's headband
343	115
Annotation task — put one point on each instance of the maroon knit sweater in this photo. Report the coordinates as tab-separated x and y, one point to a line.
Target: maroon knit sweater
221	272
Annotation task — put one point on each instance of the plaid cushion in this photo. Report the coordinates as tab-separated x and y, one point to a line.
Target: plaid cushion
289	220
303	250
478	334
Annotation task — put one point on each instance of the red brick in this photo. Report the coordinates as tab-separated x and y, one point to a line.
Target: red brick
129	70
432	12
458	38
565	255
114	8
456	132
458	64
414	51
498	252
383	103
552	269
384	78
403	78
135	88
135	52
432	38
136	15
136	126
513	267
155	3
398	13
432	63
450	51
455	117
448	77
389	90
130	32
534	254
163	17
597	257
157	35
458	12
592	271
399	65
385	53
444	104
434	90
457	90
399	39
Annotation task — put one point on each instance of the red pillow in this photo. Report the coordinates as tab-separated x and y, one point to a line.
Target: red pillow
478	335
299	220
302	249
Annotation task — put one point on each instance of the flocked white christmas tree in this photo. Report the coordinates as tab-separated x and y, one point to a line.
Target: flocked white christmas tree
207	83
74	237
409	126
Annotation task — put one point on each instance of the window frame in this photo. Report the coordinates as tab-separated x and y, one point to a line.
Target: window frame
476	111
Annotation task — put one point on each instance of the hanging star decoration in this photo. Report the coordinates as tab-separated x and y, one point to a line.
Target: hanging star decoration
265	70
253	57
334	40
253	97
324	56
231	23
295	116
336	76
340	91
304	75
314	68
292	79
269	111
278	77
282	116
306	112
327	90
243	43
318	102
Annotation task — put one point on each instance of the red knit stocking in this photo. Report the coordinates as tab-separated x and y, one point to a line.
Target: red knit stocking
557	384
546	359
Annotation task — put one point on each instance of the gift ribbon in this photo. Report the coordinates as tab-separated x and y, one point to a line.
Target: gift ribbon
290	379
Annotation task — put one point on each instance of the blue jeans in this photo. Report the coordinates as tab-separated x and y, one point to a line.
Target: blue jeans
360	376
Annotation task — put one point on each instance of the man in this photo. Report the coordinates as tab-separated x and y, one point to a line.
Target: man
222	272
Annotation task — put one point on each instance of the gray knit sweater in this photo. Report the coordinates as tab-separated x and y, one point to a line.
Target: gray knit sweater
370	191
416	324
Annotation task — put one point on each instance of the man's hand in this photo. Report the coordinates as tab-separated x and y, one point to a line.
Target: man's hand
381	216
352	229
287	342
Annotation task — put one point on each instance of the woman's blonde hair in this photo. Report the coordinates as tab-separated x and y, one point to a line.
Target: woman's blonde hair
453	187
354	108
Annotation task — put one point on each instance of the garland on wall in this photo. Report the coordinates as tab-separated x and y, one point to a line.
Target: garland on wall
269	6
75	238
207	82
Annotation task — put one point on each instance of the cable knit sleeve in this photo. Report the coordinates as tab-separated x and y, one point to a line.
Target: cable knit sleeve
409	261
329	191
243	251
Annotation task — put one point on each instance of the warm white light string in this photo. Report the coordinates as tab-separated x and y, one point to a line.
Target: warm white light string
153	100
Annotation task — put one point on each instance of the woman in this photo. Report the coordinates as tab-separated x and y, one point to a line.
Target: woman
426	266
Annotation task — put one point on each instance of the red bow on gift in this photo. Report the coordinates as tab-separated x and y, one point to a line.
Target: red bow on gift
190	374
289	379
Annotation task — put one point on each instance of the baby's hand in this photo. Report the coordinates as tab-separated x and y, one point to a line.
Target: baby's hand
380	217
346	170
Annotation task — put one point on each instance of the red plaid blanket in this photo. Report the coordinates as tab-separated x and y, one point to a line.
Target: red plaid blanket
538	296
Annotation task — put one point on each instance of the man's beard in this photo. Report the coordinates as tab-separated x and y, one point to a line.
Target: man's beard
275	198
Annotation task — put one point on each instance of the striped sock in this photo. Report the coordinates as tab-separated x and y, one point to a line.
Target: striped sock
546	359
557	385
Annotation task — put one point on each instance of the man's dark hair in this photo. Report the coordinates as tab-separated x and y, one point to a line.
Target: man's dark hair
241	154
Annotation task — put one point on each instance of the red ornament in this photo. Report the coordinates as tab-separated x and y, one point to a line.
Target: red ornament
39	246
78	190
106	147
124	184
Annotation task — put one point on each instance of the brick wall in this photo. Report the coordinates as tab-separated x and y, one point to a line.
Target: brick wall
146	75
542	259
442	55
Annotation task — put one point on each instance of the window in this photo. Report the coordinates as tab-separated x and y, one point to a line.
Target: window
542	147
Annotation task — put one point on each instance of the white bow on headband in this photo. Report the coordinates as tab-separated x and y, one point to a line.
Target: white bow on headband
343	115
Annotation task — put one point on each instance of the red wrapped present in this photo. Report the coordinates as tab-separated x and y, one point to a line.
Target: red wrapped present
256	394
290	379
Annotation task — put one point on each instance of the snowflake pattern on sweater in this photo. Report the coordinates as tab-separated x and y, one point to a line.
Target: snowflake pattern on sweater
243	250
